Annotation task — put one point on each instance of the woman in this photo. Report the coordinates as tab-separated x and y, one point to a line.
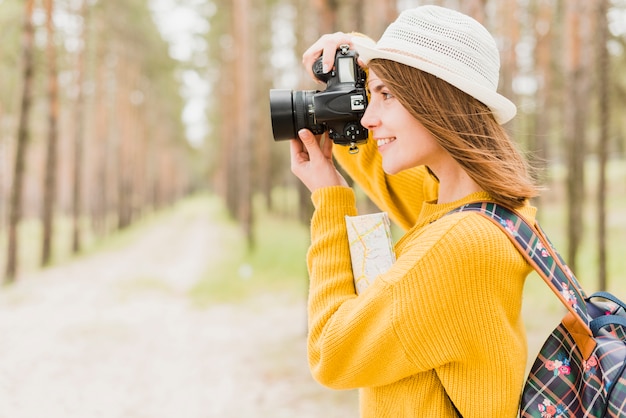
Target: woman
441	333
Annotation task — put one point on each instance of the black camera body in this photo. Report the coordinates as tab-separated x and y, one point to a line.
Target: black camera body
338	109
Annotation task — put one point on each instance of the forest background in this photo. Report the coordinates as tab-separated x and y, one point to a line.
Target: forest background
111	110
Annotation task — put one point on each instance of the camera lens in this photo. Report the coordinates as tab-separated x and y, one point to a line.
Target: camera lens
281	109
304	111
292	111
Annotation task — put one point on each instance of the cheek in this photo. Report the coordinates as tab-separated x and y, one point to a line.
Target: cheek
418	147
423	144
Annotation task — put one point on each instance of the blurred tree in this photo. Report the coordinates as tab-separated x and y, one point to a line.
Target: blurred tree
544	68
141	142
126	75
23	135
244	29
12	11
226	109
510	21
79	131
102	132
618	87
261	125
245	166
603	80
577	79
220	54
118	119
50	177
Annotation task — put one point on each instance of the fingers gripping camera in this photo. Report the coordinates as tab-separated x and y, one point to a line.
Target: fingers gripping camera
338	109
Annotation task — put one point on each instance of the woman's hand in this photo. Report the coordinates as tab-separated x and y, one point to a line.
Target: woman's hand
326	46
312	163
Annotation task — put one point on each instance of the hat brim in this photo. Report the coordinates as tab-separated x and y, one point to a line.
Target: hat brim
502	108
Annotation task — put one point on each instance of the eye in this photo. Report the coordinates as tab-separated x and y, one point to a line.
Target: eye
386	95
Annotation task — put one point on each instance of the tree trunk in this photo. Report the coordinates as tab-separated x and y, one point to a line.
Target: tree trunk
510	29
125	78
15	209
604	121
77	186
575	123
263	132
543	59
3	173
224	179
244	88
104	98
50	181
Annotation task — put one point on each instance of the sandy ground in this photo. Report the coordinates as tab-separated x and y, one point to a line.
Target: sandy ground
115	335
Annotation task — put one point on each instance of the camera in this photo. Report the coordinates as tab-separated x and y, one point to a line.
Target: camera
338	109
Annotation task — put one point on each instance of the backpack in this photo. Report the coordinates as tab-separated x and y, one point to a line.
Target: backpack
580	370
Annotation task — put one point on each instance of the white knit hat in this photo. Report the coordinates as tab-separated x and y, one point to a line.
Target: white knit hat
449	45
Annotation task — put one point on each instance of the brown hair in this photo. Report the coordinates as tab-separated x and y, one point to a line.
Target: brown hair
465	128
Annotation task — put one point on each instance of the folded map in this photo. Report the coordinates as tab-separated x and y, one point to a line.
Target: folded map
371	247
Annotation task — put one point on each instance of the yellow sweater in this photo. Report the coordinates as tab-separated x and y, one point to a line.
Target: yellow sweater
445	318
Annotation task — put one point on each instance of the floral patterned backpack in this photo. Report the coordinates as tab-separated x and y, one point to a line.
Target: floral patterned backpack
580	370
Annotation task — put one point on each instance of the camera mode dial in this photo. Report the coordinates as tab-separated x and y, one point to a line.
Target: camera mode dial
318	71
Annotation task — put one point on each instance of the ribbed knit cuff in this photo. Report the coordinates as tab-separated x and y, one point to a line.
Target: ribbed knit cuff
338	198
332	204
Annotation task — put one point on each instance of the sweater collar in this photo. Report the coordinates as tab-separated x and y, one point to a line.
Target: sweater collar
431	211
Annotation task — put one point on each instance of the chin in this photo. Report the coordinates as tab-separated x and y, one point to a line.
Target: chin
392	167
395	168
390	170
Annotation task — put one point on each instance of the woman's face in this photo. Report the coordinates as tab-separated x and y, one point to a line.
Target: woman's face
402	141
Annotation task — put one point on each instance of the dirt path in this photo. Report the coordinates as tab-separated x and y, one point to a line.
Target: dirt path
115	335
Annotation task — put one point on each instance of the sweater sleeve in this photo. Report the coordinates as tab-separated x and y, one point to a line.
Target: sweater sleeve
418	316
401	195
335	311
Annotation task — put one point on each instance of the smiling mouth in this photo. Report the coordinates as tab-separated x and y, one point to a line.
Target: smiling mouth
384	141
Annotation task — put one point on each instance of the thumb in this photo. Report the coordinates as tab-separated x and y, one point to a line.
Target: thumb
310	143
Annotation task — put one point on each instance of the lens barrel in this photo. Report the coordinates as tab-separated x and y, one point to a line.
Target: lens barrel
292	111
282	113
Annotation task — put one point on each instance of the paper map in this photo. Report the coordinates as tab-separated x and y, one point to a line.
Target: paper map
371	247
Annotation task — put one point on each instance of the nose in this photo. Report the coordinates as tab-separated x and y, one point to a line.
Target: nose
369	119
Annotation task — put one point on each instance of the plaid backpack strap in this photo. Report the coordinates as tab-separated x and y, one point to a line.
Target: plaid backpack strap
539	252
